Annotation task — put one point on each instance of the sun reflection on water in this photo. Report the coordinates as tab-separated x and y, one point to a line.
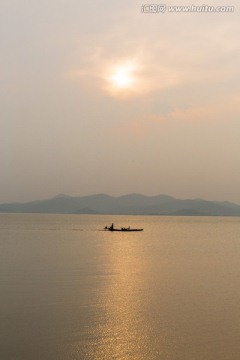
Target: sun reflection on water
121	329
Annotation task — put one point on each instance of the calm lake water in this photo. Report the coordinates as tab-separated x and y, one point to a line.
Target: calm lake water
70	291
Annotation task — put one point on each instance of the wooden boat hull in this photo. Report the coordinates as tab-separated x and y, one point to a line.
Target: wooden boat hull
124	230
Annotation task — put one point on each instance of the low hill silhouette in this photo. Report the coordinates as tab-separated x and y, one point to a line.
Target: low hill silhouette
131	204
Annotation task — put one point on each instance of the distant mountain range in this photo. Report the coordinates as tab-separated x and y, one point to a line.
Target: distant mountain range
132	204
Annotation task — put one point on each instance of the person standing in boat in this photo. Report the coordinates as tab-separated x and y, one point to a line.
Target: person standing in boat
111	227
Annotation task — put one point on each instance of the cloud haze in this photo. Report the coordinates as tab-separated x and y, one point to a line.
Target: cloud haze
103	98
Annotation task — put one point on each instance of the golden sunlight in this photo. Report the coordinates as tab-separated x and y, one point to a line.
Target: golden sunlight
121	77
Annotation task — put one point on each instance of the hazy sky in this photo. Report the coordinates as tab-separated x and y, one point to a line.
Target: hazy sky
100	97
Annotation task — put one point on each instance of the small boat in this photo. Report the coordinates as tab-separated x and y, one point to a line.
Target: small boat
112	228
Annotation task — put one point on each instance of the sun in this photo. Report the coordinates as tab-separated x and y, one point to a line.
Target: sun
122	79
122	76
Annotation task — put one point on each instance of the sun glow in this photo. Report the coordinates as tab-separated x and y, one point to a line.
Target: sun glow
122	76
124	79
